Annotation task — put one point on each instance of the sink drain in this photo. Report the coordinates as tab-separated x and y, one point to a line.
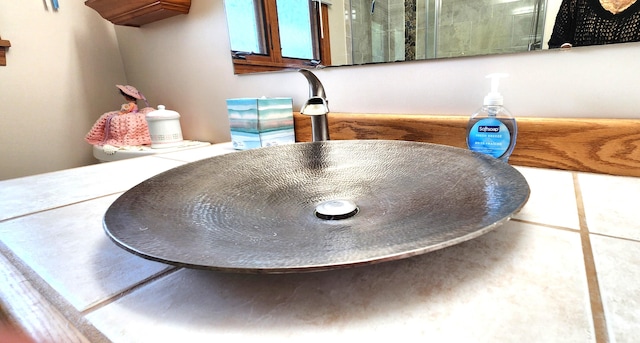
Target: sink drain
336	209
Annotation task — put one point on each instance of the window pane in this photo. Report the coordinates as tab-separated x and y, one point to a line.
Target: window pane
244	32
294	21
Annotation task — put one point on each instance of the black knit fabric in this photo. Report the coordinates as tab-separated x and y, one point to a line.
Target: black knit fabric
586	22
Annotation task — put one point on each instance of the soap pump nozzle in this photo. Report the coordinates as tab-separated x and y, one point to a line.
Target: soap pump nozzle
494	98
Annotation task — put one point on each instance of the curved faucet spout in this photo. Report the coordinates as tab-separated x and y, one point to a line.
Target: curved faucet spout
316	107
315	86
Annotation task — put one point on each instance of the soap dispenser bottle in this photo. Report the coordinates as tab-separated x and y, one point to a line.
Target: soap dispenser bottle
492	130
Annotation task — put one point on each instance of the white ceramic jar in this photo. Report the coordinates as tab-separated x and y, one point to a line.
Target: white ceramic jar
164	128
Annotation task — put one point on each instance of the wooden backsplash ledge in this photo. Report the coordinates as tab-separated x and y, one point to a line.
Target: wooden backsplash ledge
607	146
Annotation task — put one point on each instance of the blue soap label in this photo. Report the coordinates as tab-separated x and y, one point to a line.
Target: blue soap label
489	136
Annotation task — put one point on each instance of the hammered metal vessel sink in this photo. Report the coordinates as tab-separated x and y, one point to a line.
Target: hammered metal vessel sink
315	206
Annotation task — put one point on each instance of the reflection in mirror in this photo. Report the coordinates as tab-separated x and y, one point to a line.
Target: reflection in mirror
347	32
295	29
384	31
596	22
244	26
270	35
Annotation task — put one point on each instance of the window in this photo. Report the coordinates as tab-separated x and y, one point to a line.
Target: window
269	35
294	28
243	25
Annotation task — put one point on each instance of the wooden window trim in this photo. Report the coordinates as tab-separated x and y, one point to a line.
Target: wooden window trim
274	61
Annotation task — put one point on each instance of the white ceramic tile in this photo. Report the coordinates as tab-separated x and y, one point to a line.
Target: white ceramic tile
552	200
519	283
611	205
197	154
40	192
618	267
68	248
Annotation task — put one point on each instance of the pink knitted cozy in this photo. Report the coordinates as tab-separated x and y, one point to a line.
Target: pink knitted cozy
119	130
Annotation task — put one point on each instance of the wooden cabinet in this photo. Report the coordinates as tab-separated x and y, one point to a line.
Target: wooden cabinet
138	12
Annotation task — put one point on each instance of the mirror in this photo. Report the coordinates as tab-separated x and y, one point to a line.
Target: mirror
383	31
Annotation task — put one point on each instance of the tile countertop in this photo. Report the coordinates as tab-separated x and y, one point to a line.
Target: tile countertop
565	269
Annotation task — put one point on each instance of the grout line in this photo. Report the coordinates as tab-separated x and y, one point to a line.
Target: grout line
56	207
616	237
176	159
94	307
549	226
595	297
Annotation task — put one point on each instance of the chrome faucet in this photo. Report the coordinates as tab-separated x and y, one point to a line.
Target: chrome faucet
316	107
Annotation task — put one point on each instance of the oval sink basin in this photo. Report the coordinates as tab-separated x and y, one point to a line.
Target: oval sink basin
315	206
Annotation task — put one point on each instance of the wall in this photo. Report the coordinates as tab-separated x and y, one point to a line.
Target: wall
184	62
340	33
60	77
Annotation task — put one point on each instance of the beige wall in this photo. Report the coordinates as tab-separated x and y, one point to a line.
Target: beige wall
60	77
338	33
63	66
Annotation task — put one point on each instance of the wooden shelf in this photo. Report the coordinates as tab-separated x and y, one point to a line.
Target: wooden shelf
4	45
138	12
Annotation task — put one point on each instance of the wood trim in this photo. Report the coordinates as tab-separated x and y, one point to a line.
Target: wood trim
325	39
259	64
138	12
274	49
607	146
4	45
27	314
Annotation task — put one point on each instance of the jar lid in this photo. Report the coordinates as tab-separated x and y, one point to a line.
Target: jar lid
162	113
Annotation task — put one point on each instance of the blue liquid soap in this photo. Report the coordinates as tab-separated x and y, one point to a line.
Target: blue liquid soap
492	130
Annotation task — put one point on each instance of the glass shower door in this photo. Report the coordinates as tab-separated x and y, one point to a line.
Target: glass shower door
392	30
481	27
